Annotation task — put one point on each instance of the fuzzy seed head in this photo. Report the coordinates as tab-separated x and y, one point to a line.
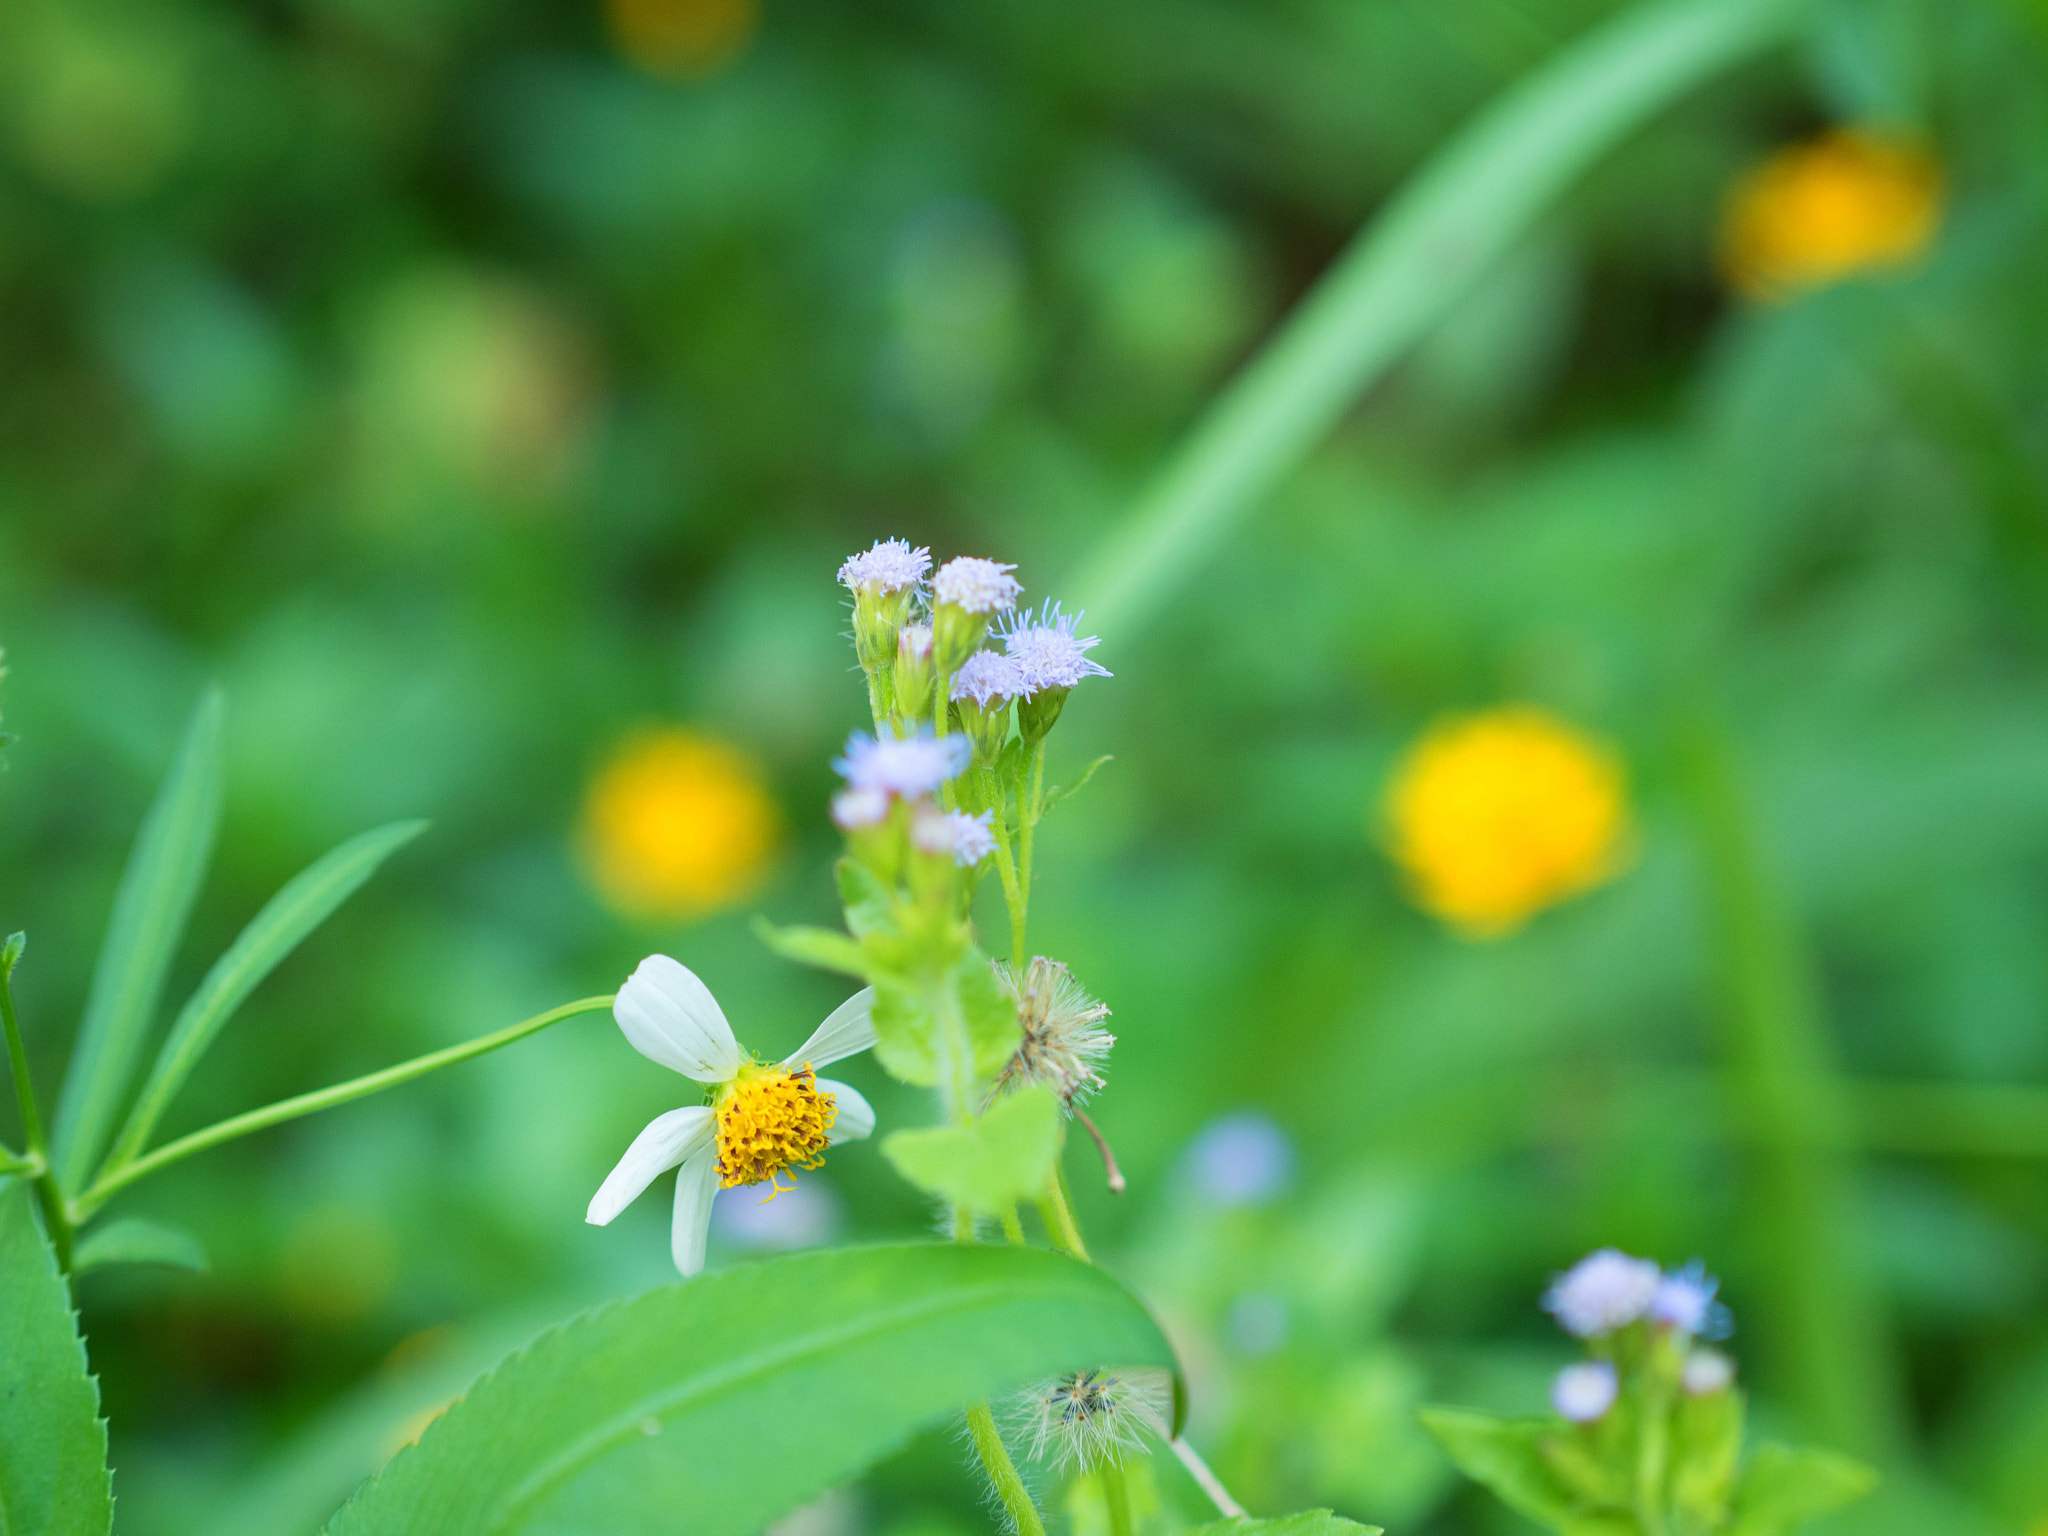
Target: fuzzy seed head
1063	1042
1088	1419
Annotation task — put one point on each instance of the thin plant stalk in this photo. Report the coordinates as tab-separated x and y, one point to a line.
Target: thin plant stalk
1002	1471
1817	1309
1117	1495
49	1195
1208	1481
118	1179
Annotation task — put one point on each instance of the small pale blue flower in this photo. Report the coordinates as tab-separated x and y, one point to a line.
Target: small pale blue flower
891	566
1584	1392
1047	652
1685	1301
1602	1292
907	765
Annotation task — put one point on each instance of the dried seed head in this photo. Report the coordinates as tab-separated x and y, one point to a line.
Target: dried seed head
1088	1419
1063	1043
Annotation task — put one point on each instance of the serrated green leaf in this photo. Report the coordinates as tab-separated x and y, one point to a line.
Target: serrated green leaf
989	1164
53	1446
1782	1488
155	898
306	901
1507	1456
725	1401
819	947
136	1240
1310	1522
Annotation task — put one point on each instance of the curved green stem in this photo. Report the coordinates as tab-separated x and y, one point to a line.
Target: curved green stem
1059	1217
1002	1472
114	1180
1118	1497
49	1194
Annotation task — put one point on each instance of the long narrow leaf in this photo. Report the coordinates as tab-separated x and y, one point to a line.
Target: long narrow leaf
163	875
303	905
713	1406
1405	272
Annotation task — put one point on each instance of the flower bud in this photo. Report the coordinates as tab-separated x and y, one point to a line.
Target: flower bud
884	582
913	672
1707	1371
1584	1392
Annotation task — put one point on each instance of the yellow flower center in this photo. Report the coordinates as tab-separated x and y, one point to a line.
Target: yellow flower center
772	1120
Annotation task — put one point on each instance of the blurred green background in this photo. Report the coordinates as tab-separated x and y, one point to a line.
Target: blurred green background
469	386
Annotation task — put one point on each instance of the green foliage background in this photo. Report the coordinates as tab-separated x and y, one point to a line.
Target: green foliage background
459	397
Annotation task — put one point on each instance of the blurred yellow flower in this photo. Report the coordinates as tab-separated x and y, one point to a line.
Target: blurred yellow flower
1848	201
681	39
678	824
1497	815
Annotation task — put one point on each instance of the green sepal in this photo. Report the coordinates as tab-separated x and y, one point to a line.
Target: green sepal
1310	1522
988	1164
1783	1487
135	1240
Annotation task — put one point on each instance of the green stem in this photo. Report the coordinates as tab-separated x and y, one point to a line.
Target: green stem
1030	805
1013	1229
1059	1217
1002	1472
1117	1497
49	1193
1653	1450
1006	865
112	1181
1818	1312
12	1162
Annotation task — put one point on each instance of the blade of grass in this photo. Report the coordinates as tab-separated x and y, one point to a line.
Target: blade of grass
150	910
1404	272
1815	1307
306	901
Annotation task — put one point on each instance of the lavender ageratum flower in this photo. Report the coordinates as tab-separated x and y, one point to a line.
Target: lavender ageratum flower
1685	1301
1584	1392
967	838
986	677
1047	652
1242	1158
853	809
891	566
906	765
914	643
1706	1372
1602	1292
977	586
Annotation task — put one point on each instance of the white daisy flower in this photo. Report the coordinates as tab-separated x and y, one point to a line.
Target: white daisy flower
1602	1292
891	566
902	765
978	586
1049	656
764	1119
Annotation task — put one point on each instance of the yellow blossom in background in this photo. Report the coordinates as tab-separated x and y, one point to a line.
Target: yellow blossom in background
678	824
1849	201
681	39
1497	815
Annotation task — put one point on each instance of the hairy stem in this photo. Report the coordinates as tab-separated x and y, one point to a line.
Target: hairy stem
112	1181
1002	1472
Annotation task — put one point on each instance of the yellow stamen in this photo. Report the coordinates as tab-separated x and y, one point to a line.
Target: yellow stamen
770	1121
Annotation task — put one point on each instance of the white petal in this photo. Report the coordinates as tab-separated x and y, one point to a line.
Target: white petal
855	1117
847	1029
696	1183
671	1017
667	1140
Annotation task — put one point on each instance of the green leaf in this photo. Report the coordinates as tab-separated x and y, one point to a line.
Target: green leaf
1405	272
865	896
908	1023
306	901
53	1445
134	1240
820	947
904	1023
1310	1522
988	1164
991	1015
155	898
1058	793
1507	1456
725	1401
1782	1488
